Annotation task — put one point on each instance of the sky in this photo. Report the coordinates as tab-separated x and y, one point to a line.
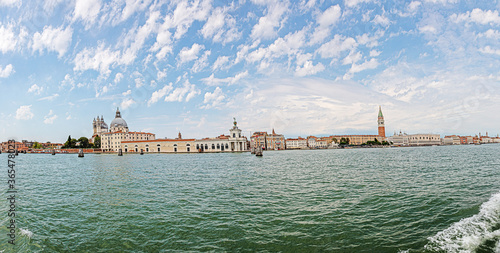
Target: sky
306	67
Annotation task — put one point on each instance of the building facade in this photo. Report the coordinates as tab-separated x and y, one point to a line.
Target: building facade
424	139
298	143
159	146
118	133
267	141
234	142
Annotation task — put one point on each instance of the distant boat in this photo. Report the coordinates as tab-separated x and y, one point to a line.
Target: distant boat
259	152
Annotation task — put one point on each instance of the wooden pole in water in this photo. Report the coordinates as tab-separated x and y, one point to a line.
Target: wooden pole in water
80	153
53	152
120	152
142	151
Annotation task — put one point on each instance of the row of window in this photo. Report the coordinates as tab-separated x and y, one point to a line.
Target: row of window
219	146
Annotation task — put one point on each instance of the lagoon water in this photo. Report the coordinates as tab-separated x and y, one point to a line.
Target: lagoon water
427	199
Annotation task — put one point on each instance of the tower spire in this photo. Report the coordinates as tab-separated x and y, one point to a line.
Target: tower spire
381	124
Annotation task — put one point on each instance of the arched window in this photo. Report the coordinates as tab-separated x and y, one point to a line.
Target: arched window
227	146
213	146
218	146
175	147
239	135
197	146
158	147
188	145
206	146
234	135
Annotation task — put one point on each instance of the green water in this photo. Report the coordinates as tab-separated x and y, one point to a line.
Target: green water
358	200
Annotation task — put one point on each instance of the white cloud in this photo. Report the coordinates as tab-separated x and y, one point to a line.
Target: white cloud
7	71
353	57
336	46
98	59
309	69
427	29
35	89
202	62
441	1
159	94
355	68
126	93
49	98
87	11
325	20
489	50
9	39
185	92
370	41
139	82
212	81
381	20
289	45
118	77
374	53
49	118
24	112
213	99
189	54
126	103
53	39
221	27
10	2
354	3
478	16
220	62
266	27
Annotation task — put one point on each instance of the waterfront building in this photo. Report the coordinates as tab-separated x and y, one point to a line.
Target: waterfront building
401	139
234	142
267	141
451	140
159	146
298	143
119	132
424	139
358	139
314	142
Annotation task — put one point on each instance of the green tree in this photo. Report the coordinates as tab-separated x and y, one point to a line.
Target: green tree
344	141
97	142
67	144
84	142
37	145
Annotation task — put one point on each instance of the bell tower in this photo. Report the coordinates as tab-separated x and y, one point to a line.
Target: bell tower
381	125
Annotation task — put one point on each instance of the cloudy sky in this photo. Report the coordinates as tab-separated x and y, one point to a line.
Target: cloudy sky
306	67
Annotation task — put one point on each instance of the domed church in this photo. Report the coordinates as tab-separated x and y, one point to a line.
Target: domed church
118	131
118	124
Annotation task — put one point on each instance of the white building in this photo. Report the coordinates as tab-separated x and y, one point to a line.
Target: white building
299	143
112	140
424	139
234	142
451	140
401	139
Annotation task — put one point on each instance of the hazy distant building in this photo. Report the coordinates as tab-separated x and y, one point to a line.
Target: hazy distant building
424	139
298	143
268	141
451	140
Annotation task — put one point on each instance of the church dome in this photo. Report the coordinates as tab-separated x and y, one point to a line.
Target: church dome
118	121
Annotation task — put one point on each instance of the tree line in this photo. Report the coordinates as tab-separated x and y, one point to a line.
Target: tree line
82	142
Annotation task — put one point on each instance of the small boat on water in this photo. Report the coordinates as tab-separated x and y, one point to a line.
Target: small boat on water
259	151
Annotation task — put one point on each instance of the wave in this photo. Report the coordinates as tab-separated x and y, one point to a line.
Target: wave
26	232
481	231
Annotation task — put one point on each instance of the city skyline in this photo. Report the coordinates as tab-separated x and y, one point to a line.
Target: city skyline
302	68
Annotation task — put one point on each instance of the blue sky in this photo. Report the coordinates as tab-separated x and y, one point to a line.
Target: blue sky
306	67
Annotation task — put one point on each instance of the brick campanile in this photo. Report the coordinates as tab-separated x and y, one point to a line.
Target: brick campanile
381	126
